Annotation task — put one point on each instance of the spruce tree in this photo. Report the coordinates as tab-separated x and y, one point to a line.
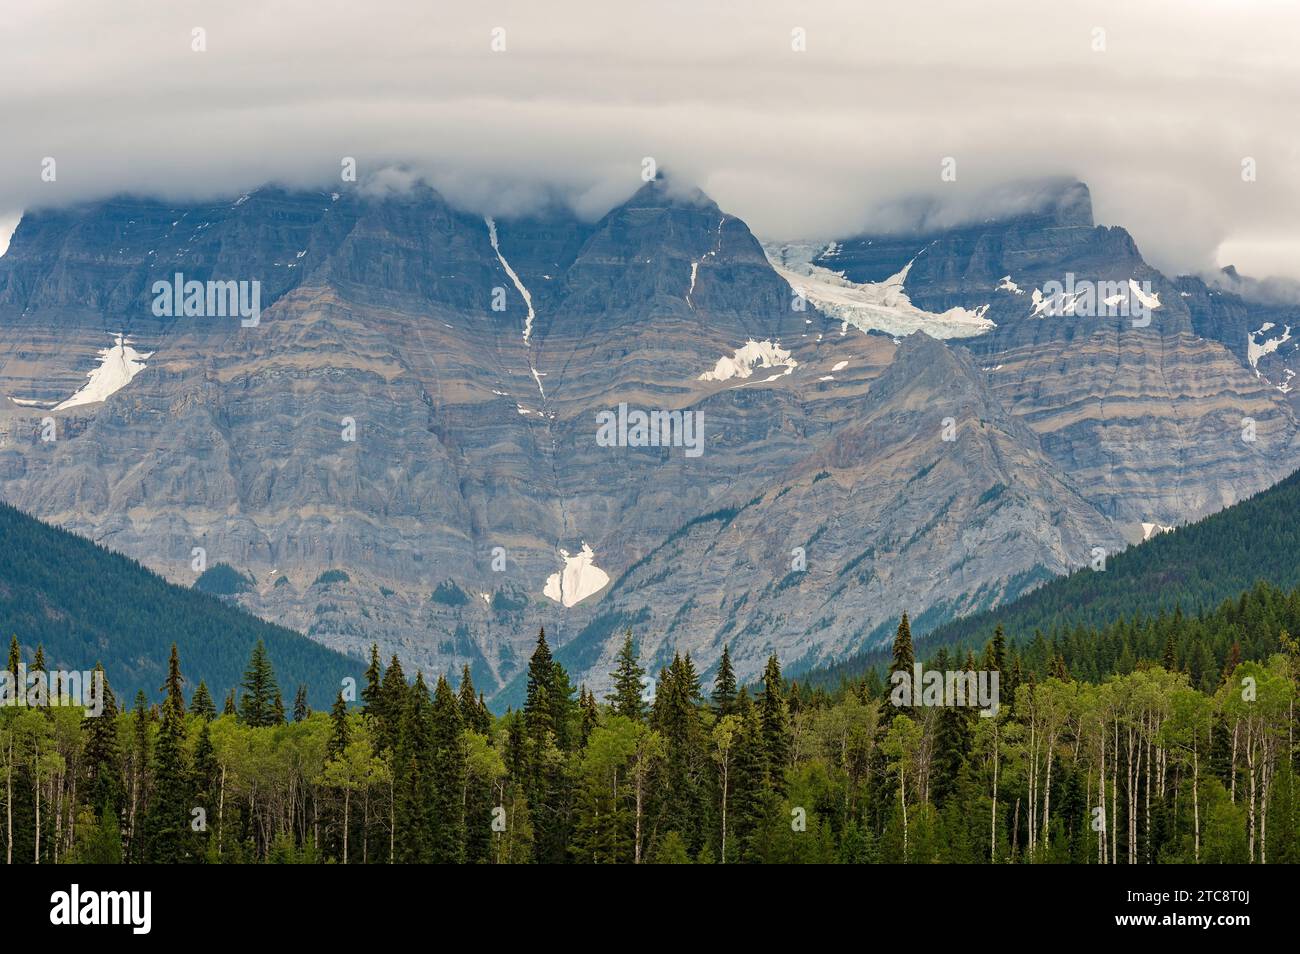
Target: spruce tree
258	705
625	699
394	698
300	708
447	767
413	778
175	681
204	783
168	820
775	721
373	691
538	711
903	657
472	713
202	705
951	744
564	708
724	685
751	785
685	762
102	756
590	714
1059	671
229	707
340	731
1231	663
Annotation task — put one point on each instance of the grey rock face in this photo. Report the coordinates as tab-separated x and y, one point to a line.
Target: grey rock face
1148	419
843	477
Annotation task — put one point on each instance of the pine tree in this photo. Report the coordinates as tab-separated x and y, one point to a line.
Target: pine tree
564	708
724	686
904	657
1231	663
625	699
203	784
15	657
775	721
447	767
168	820
101	756
997	652
590	714
951	745
229	707
1058	668
413	778
300	708
202	705
685	760
373	691
340	732
751	788
394	697
257	707
175	681
538	711
1170	658
472	713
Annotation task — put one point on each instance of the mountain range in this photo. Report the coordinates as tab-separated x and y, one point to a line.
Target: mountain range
403	449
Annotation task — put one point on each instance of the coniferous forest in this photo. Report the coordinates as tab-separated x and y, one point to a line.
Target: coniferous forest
1151	740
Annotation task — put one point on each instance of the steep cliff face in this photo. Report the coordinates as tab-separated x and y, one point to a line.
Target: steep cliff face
1264	335
1158	416
420	407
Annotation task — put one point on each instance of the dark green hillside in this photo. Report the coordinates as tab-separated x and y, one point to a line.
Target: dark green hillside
85	604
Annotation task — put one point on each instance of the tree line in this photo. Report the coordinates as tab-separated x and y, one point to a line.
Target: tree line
1167	757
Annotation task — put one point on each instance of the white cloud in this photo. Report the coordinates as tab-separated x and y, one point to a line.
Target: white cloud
799	144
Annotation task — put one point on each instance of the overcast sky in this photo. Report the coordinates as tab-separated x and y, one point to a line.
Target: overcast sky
809	144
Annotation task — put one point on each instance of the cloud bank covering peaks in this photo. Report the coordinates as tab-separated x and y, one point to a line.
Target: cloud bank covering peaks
807	119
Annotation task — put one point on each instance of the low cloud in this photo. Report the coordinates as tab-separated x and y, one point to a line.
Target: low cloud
810	144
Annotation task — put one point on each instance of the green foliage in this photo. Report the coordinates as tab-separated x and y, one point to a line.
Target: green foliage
331	576
86	604
1139	765
449	594
222	579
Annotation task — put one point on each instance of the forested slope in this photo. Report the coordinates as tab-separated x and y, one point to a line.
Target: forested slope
85	605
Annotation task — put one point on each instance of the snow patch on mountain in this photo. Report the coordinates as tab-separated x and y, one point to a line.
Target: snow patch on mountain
763	354
1149	530
578	580
117	366
1151	301
523	293
869	306
1066	302
1256	349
